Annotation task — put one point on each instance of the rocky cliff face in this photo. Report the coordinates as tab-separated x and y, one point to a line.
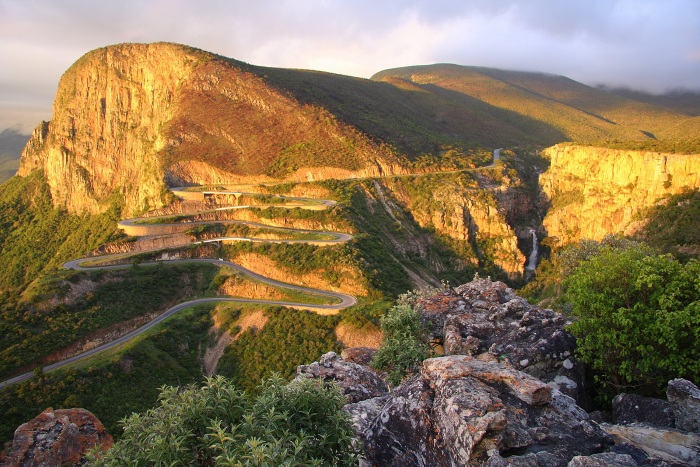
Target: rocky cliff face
105	134
597	191
128	118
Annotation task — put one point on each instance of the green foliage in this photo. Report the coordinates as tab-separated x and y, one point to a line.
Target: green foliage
405	344
638	318
548	287
114	297
288	339
36	237
114	384
300	424
674	226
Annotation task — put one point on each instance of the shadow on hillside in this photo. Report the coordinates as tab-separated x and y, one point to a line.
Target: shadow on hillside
423	118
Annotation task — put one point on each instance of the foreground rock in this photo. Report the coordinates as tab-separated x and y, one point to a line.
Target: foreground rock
356	381
463	411
57	438
486	318
684	397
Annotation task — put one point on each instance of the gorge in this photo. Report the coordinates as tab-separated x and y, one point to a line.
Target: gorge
366	188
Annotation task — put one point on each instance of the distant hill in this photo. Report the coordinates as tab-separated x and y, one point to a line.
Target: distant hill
568	109
132	117
683	101
11	144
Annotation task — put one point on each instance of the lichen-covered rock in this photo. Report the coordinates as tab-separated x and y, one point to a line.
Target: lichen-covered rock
606	459
356	381
57	438
674	447
484	316
463	411
632	408
684	397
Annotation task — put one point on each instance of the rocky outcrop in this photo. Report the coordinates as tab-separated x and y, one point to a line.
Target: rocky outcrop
684	397
128	118
469	214
356	381
57	438
105	133
485	318
463	411
598	191
674	447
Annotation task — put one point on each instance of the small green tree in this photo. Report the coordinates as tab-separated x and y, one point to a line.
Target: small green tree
638	318
405	344
295	424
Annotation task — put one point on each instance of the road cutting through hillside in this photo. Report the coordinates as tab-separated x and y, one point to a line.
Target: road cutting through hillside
132	226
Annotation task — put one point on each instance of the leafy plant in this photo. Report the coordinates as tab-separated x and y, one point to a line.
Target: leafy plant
298	424
638	318
405	343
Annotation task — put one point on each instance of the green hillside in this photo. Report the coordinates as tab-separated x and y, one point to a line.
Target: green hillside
578	112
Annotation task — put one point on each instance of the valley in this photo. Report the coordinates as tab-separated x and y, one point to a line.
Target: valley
275	215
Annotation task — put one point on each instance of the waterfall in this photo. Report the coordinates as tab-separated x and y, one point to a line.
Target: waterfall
532	260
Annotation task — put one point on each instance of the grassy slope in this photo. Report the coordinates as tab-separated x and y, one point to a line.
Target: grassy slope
578	112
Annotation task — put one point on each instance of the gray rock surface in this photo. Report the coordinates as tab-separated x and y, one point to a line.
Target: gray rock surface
606	459
674	447
631	408
356	381
684	397
483	316
463	411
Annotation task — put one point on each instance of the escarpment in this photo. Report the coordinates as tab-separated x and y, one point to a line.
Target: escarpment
597	191
129	118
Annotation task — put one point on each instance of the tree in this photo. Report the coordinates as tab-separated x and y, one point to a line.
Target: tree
638	318
295	424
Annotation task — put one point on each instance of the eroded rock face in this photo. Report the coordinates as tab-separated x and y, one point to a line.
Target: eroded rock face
607	187
463	411
684	397
486	318
356	381
57	438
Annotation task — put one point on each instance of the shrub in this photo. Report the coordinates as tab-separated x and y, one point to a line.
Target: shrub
405	343
638	318
298	424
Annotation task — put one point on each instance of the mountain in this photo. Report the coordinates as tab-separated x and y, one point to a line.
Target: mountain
11	144
133	117
572	111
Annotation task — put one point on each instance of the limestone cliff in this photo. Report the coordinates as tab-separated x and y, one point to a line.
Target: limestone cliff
596	191
456	207
129	118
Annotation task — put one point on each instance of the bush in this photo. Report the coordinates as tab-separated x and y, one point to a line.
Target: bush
405	343
299	424
638	318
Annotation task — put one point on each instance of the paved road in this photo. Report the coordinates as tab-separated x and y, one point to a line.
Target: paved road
345	299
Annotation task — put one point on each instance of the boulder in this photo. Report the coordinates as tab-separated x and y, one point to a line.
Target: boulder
674	447
631	408
356	381
57	438
606	459
484	316
464	411
684	397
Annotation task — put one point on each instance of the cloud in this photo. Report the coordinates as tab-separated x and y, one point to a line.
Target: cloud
648	44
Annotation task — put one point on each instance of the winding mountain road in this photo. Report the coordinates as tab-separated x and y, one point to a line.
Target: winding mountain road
345	300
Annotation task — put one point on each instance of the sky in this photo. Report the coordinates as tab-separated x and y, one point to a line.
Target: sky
650	45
